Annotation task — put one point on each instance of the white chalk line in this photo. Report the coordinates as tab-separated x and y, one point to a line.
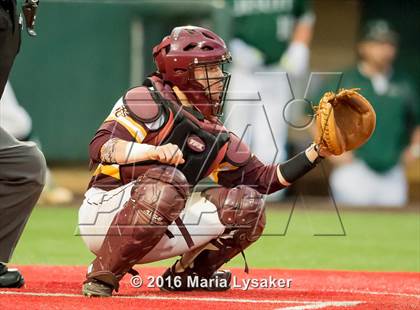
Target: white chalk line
345	291
289	290
179	298
360	292
323	304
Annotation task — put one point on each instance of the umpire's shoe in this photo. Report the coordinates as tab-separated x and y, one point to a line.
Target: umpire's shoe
189	280
10	278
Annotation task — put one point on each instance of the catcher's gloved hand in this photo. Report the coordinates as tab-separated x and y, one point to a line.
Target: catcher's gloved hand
344	122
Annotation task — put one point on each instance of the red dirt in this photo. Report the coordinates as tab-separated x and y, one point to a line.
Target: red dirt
58	287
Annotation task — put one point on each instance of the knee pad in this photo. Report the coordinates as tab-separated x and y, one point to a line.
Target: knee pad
241	211
160	194
156	200
240	208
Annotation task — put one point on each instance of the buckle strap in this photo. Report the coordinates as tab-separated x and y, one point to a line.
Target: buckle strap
184	232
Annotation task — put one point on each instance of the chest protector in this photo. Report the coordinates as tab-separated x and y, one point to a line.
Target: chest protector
203	144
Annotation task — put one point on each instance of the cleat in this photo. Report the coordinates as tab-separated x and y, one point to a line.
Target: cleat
10	278
188	280
96	288
219	281
176	281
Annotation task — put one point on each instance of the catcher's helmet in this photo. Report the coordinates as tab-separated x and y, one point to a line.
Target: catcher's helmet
186	48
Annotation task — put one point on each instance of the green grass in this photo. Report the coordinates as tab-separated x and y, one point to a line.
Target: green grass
380	241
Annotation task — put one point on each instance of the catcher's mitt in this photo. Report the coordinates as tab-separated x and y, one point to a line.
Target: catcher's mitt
344	121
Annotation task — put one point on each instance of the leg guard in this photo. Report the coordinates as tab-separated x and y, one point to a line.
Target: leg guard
156	200
241	210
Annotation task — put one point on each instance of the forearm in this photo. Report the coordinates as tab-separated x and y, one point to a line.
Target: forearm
415	137
118	151
303	33
267	179
414	146
296	58
296	167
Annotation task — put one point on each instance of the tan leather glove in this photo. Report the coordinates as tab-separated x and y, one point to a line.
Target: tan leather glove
344	121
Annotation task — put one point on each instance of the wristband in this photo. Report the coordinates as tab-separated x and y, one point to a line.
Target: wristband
296	167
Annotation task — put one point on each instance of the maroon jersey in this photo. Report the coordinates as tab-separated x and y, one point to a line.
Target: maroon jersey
153	114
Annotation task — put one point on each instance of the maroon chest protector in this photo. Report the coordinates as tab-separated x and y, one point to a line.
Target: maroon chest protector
203	144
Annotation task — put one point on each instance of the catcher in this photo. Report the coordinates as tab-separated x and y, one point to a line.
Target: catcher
158	142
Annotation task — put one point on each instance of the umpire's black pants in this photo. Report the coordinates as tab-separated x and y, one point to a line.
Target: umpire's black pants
9	39
22	165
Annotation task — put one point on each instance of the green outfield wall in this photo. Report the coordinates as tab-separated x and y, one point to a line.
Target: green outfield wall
86	55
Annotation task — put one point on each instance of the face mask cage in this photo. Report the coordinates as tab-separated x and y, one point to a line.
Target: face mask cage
224	80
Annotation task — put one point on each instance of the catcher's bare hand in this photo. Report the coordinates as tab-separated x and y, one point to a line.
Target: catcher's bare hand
167	154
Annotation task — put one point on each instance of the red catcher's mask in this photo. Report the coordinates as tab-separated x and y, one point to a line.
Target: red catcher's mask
187	48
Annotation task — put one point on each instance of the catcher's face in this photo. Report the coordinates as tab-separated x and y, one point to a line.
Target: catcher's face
379	54
212	78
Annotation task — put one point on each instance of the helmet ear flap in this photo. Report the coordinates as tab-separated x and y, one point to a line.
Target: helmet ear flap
160	52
